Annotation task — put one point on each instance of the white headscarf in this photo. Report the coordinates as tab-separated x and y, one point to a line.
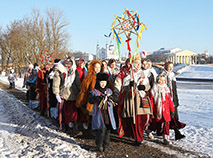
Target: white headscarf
170	77
70	75
159	92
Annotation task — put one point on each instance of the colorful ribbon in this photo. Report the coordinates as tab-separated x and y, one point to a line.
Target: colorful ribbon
128	44
135	24
108	35
117	36
119	51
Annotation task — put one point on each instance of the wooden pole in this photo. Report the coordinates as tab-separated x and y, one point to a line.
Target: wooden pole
132	90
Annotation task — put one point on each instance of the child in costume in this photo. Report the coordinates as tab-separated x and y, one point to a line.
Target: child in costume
171	82
102	113
162	107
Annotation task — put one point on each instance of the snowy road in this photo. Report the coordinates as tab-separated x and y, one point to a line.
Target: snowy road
24	133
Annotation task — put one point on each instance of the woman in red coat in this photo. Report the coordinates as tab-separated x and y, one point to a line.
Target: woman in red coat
162	107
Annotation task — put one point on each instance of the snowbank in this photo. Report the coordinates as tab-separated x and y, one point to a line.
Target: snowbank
24	133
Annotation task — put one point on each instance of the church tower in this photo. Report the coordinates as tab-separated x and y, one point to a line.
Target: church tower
97	51
107	47
206	53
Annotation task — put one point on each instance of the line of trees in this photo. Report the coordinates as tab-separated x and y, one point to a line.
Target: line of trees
23	40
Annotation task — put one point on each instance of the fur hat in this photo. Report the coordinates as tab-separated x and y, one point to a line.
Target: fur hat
102	77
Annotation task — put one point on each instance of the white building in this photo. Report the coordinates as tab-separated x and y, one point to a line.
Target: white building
206	53
109	52
177	56
88	57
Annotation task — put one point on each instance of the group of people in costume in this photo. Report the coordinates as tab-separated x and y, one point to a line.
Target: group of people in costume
129	101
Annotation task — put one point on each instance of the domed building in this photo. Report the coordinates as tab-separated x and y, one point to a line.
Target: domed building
106	53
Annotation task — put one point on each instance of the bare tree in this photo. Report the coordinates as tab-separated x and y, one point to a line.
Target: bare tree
57	37
5	47
24	40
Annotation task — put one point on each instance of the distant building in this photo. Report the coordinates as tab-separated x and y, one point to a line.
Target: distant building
175	55
88	56
106	53
204	57
206	53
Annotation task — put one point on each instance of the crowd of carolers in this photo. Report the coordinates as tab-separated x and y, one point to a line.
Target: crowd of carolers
130	101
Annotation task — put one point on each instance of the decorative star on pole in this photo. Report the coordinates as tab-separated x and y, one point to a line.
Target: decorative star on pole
128	24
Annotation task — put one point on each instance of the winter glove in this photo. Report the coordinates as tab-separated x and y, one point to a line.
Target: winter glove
131	84
58	98
98	98
141	87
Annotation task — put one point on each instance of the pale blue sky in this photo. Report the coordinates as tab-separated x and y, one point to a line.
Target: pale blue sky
185	24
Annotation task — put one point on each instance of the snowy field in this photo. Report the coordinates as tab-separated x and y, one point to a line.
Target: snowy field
197	71
28	136
196	110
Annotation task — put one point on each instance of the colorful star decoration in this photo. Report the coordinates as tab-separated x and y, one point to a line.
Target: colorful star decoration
128	24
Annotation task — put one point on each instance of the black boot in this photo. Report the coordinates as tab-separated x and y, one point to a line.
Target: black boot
178	135
75	132
99	139
138	143
106	140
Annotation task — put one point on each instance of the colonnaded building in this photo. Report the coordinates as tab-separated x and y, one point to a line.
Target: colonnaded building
106	53
175	55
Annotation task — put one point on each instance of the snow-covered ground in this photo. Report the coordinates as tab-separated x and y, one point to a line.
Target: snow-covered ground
197	71
24	133
196	110
36	138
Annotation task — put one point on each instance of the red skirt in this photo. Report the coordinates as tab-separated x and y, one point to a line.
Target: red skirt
135	130
43	101
162	128
70	112
81	116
